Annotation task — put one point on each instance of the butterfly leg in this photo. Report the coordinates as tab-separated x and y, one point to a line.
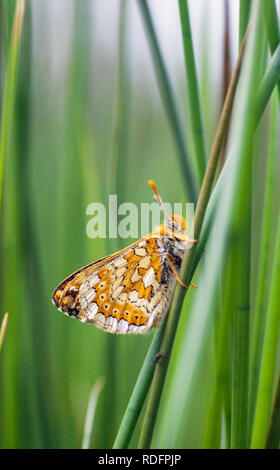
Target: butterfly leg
190	240
193	241
175	272
168	256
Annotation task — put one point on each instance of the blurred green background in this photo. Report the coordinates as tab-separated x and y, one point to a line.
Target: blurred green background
89	121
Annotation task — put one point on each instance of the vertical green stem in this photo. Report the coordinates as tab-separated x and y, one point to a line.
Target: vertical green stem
193	89
240	353
272	28
272	24
139	392
260	303
169	102
244	13
273	438
9	91
268	361
241	240
187	265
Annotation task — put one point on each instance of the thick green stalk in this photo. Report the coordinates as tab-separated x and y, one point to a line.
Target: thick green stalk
169	103
271	77
272	24
179	294
261	289
209	216
193	89
273	438
272	27
241	239
218	404
267	86
240	354
139	392
9	91
211	436
269	356
244	13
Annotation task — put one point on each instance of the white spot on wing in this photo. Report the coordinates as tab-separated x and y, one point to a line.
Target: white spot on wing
92	310
89	283
92	280
120	272
148	278
135	277
122	326
140	251
116	284
120	263
145	262
87	297
117	292
100	320
133	328
111	324
123	296
133	296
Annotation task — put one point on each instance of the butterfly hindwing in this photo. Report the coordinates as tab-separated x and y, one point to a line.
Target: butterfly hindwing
127	292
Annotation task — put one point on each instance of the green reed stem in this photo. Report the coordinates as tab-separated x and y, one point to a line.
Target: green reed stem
261	289
140	391
10	91
271	77
272	27
206	228
273	438
272	24
193	89
169	102
244	13
186	270
241	235
269	356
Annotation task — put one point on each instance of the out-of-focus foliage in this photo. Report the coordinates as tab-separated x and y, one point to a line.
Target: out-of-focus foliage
89	121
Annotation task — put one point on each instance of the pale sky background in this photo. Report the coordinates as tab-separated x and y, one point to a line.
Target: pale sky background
58	16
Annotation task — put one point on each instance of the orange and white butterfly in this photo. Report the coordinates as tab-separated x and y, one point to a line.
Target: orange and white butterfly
128	291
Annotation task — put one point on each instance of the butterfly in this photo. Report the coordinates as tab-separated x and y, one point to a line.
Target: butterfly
129	291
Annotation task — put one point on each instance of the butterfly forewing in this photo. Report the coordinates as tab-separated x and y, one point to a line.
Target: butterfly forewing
127	292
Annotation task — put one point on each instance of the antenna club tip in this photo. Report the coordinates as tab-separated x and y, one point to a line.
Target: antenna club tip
153	185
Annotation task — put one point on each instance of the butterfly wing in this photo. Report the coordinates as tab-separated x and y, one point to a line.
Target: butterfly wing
127	292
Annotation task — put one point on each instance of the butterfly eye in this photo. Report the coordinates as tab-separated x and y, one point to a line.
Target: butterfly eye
174	227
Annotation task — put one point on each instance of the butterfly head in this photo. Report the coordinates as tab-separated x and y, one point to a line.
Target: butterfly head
176	229
176	226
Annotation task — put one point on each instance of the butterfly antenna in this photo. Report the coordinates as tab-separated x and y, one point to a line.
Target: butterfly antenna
153	185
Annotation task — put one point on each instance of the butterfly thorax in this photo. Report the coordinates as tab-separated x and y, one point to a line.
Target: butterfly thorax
173	238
